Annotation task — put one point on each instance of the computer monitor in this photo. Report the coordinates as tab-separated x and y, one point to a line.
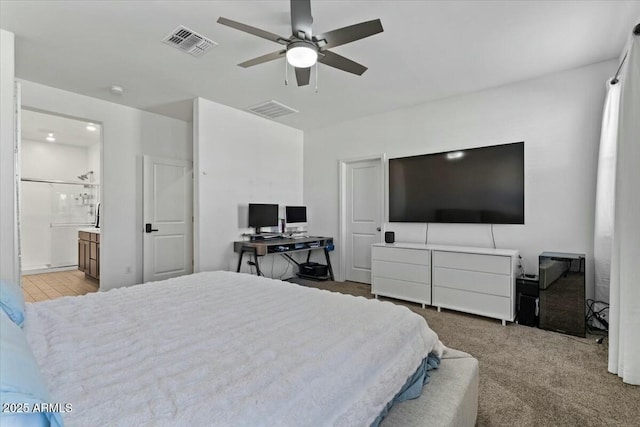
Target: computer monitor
296	215
263	215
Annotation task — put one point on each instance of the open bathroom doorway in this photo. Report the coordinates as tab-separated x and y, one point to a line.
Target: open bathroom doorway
59	209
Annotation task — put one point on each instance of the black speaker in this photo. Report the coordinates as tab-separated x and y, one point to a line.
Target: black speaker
389	237
528	310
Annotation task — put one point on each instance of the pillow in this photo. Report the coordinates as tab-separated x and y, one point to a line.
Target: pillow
21	384
12	301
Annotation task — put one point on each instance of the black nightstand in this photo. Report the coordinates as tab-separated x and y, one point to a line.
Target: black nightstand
527	300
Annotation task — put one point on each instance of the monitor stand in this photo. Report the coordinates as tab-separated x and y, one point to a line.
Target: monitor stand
258	235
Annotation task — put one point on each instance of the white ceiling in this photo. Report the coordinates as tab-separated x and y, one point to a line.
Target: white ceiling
428	50
35	126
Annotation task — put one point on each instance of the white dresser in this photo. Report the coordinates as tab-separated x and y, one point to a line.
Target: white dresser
473	280
401	270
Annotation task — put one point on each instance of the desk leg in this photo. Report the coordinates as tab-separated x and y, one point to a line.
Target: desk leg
326	254
255	260
240	260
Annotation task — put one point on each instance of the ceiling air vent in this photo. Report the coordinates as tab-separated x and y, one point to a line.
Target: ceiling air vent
189	41
272	109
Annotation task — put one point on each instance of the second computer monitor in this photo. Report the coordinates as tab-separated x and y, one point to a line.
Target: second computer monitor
296	215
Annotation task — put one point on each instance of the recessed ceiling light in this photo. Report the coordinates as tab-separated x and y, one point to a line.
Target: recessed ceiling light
91	127
116	90
50	138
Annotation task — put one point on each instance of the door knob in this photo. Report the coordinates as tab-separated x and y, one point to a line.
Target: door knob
378	228
148	228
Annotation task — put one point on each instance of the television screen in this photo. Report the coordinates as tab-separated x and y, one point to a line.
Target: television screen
477	185
296	214
263	215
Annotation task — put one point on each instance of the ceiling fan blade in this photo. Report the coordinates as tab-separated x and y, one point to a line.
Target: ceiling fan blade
349	34
301	19
303	75
341	63
253	30
262	59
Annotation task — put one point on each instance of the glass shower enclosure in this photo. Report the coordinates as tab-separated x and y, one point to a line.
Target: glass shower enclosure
52	211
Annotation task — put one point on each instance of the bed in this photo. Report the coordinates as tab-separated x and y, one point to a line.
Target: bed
222	348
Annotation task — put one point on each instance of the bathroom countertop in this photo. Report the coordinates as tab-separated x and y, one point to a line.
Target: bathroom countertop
90	230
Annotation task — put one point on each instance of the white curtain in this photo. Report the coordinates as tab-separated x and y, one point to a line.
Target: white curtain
624	292
605	195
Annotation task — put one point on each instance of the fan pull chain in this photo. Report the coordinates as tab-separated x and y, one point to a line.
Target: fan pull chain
286	73
316	77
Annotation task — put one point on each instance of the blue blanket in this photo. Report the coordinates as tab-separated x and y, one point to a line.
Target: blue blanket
412	389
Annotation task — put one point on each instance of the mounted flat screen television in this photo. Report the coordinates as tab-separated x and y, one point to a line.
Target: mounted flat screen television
262	215
477	185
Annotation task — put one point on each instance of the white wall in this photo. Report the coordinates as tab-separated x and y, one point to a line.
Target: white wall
239	158
8	239
46	160
558	116
127	135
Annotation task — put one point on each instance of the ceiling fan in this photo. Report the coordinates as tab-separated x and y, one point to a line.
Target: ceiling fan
303	49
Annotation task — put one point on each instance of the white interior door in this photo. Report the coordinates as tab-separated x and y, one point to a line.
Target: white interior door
364	207
168	218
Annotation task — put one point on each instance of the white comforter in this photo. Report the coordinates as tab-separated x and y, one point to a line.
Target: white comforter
226	349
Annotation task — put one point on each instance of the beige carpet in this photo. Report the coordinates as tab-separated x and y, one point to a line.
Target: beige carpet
528	376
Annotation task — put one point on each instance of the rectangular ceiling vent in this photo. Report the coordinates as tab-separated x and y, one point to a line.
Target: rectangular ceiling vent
189	41
272	109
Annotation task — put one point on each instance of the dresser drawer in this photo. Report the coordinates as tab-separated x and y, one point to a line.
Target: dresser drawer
83	235
400	271
406	256
487	283
473	302
473	262
400	289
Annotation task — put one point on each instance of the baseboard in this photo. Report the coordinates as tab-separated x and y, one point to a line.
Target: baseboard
49	270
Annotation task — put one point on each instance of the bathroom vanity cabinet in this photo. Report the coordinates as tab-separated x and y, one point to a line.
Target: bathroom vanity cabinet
89	252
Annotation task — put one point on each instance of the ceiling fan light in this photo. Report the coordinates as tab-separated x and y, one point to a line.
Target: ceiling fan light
454	155
301	55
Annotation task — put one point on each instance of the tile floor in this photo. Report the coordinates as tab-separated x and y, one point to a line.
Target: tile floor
46	286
